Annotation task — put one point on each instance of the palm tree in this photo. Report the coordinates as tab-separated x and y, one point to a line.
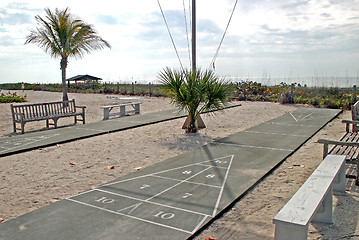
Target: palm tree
63	36
195	91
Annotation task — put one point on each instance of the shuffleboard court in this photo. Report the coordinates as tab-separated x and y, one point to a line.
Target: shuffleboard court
177	197
29	141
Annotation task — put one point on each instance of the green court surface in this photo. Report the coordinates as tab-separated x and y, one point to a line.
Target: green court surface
177	197
28	141
33	140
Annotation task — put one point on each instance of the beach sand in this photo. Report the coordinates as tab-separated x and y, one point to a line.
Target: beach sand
34	179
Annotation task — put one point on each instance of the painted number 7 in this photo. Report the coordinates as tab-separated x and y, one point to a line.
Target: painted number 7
187	195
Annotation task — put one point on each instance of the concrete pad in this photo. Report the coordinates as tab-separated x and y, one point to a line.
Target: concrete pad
175	198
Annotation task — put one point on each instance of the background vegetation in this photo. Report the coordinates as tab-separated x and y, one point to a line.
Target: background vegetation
332	97
11	97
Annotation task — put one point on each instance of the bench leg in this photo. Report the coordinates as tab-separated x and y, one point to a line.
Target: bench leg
137	108
357	180
122	111
22	127
340	180
325	211
106	113
325	150
285	231
83	117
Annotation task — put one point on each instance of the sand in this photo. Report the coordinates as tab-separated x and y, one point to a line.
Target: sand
34	179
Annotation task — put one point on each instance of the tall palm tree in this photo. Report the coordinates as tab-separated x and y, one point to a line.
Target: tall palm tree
195	91
63	36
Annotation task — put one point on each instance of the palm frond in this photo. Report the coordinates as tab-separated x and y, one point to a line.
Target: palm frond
62	36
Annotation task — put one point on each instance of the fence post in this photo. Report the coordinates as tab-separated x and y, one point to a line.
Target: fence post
149	85
245	91
354	99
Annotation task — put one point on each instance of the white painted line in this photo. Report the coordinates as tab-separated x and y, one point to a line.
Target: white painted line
249	146
90	129
293	117
281	134
222	188
134	207
31	139
202	164
199	225
153	203
130	216
306	116
166	190
125	180
294	125
81	193
197	183
151	174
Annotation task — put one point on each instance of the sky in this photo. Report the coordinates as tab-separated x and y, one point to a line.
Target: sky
265	38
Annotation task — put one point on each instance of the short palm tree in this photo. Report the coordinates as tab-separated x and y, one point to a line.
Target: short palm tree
195	91
63	36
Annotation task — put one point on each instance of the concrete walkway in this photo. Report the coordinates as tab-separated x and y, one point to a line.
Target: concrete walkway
177	197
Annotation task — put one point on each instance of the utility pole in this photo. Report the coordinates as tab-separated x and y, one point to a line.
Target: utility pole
194	35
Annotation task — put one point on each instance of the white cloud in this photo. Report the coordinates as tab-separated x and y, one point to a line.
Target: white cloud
278	37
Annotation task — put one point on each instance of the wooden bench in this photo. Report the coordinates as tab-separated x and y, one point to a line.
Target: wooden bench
348	145
45	111
313	201
123	112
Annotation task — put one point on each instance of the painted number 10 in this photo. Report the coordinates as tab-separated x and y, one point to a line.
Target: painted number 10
164	215
105	200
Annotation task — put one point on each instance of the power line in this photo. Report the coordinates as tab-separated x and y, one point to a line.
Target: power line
224	34
169	32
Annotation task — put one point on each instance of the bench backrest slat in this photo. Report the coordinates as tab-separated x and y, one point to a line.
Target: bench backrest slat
39	110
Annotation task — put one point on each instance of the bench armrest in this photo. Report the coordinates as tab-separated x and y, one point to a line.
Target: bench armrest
327	142
348	123
341	143
19	116
80	107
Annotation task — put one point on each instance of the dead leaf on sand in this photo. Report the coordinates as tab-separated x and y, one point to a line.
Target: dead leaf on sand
1	220
73	163
110	167
209	238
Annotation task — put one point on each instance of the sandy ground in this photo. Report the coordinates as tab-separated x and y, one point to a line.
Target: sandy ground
31	180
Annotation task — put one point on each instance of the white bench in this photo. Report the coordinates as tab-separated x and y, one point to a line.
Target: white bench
313	201
123	112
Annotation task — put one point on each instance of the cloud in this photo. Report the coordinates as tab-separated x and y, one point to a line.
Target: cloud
9	17
106	19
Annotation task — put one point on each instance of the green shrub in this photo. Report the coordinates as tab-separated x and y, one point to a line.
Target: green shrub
12	97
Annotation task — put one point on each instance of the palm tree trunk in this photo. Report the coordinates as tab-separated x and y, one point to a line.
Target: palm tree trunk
63	73
192	128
